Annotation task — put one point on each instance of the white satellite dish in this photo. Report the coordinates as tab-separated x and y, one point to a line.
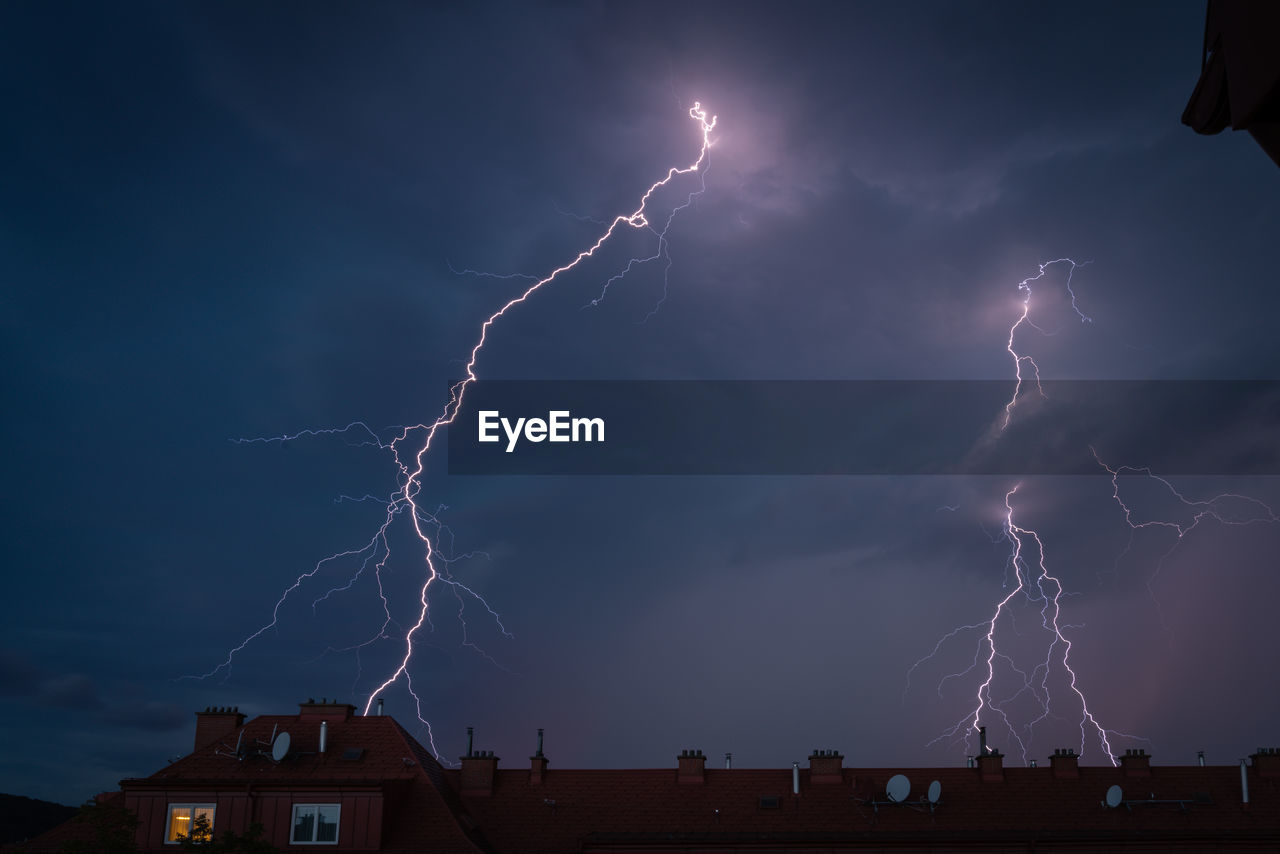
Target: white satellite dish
280	748
1114	796
898	789
935	791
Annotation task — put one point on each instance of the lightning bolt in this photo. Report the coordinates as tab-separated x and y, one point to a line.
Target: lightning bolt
1025	318
411	444
1033	584
1227	508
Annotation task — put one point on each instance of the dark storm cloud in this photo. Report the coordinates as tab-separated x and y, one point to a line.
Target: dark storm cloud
231	221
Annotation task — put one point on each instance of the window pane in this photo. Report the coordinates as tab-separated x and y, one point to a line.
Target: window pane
207	814
304	821
327	827
179	823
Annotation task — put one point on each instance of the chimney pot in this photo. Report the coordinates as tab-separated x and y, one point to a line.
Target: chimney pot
538	763
312	710
1064	763
1136	763
691	767
826	766
215	724
991	767
479	772
1266	762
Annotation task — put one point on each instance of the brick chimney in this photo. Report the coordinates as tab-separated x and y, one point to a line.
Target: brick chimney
991	766
826	766
1136	763
215	723
1064	763
692	767
538	767
1266	762
326	709
479	769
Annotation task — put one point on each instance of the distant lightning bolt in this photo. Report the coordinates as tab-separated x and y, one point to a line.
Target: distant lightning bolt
1247	511
1034	584
411	462
1025	318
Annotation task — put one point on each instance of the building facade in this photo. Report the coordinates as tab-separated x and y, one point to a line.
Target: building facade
328	779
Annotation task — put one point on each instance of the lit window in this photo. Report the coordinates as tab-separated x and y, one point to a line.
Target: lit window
315	824
184	821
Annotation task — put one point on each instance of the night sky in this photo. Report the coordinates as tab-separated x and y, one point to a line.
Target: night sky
228	221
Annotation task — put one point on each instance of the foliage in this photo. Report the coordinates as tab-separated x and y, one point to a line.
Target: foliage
106	828
251	842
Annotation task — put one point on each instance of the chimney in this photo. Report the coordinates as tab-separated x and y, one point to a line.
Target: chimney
692	768
538	768
795	778
1064	763
330	709
728	761
216	723
825	766
1136	763
324	735
991	766
1244	783
479	770
1266	762
379	712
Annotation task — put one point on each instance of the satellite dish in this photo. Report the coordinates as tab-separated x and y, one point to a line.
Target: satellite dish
898	789
280	749
935	791
1114	796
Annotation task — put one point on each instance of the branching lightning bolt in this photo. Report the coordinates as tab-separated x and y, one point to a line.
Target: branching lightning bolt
1025	318
1033	582
411	444
1247	511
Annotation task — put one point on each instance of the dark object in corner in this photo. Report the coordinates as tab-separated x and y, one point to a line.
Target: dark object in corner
1239	83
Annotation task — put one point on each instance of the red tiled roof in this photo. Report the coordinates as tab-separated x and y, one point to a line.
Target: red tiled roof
643	809
430	813
738	809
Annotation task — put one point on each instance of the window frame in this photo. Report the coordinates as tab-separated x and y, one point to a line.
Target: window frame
315	827
191	817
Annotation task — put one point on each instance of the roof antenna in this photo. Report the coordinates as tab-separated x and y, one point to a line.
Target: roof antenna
795	778
539	753
379	707
471	731
982	741
728	760
1200	758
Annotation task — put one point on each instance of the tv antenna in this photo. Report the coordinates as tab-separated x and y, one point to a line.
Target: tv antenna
223	750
